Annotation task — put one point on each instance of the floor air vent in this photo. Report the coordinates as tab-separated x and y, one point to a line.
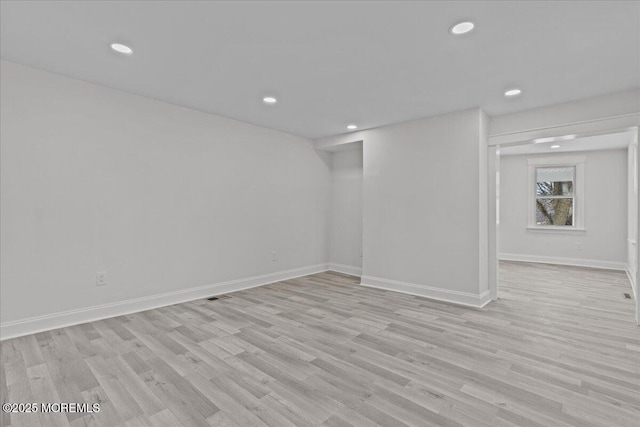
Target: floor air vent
218	297
627	296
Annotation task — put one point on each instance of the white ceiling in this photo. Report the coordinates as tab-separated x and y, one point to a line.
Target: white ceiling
332	63
589	143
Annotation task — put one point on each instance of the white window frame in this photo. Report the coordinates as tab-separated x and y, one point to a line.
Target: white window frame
576	162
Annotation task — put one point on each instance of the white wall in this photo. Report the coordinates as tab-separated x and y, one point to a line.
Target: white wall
345	241
422	207
603	244
423	230
161	197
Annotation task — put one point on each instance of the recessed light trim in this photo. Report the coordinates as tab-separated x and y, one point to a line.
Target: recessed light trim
554	139
513	92
461	28
352	127
122	48
269	100
544	140
555	146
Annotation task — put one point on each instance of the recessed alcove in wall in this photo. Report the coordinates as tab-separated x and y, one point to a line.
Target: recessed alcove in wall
345	212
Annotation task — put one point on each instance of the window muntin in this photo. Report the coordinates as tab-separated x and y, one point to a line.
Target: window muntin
555	197
558	177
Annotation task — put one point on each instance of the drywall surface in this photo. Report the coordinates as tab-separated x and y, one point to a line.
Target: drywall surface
603	244
159	197
421	202
345	252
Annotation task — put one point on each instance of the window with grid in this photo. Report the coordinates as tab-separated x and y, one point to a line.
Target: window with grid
555	196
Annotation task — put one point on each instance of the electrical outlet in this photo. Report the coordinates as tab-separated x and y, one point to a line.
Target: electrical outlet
274	256
101	278
578	246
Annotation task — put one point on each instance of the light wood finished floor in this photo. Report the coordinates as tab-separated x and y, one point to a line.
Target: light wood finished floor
558	349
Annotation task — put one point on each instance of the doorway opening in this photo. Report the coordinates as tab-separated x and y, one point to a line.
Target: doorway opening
567	203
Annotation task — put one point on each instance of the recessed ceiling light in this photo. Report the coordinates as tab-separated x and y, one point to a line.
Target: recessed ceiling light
553	139
269	100
121	48
513	92
543	140
352	127
461	28
555	146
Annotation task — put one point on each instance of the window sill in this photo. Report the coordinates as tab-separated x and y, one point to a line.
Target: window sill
556	229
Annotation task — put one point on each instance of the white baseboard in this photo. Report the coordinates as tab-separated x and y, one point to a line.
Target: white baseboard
346	269
47	322
632	278
576	262
439	294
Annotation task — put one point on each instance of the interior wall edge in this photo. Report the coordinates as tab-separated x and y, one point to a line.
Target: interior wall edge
28	326
485	273
345	269
631	276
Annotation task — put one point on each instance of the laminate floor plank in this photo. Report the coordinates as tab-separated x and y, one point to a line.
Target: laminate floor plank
558	348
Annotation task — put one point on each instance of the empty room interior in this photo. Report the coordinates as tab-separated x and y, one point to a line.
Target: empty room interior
355	213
